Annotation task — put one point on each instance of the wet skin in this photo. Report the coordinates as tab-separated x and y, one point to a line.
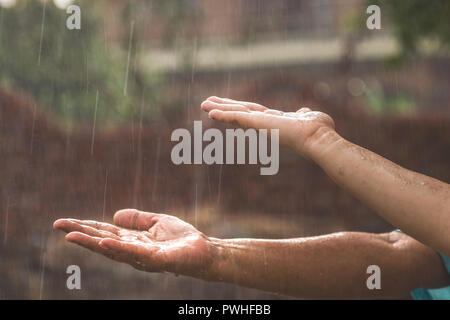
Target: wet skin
329	266
147	241
413	202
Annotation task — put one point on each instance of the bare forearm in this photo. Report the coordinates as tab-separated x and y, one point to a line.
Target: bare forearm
331	266
417	204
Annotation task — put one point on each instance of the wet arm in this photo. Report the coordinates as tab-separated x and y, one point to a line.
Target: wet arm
413	202
330	266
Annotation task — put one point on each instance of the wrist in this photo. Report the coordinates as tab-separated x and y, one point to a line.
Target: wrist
225	255
318	145
216	249
203	263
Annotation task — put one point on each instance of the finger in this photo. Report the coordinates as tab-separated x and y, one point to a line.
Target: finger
58	223
69	225
210	105
138	255
302	110
135	219
273	111
98	225
86	241
251	105
256	120
92	243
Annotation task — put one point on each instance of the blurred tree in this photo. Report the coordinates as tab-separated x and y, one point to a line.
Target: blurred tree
415	20
379	101
176	13
64	69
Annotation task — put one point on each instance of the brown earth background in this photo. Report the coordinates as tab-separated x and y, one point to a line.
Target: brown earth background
49	170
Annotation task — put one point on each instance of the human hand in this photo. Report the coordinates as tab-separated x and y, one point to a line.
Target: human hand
298	130
147	241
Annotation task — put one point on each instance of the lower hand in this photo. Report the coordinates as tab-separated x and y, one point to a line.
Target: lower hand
147	241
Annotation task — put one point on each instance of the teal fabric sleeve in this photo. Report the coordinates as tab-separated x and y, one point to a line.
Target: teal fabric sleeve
434	294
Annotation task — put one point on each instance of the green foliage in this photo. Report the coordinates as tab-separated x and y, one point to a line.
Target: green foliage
66	68
415	20
379	102
176	12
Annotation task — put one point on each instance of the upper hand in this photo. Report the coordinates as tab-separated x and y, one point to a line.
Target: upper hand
147	241
298	130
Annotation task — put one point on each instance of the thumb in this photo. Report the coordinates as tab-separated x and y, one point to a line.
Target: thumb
135	219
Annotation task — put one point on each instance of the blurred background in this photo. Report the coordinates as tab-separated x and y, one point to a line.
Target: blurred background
86	117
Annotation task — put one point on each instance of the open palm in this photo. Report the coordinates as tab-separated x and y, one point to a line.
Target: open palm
147	241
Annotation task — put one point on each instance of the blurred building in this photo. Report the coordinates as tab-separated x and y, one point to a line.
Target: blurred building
235	21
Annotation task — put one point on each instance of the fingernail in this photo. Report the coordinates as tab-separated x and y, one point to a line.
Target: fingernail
103	245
